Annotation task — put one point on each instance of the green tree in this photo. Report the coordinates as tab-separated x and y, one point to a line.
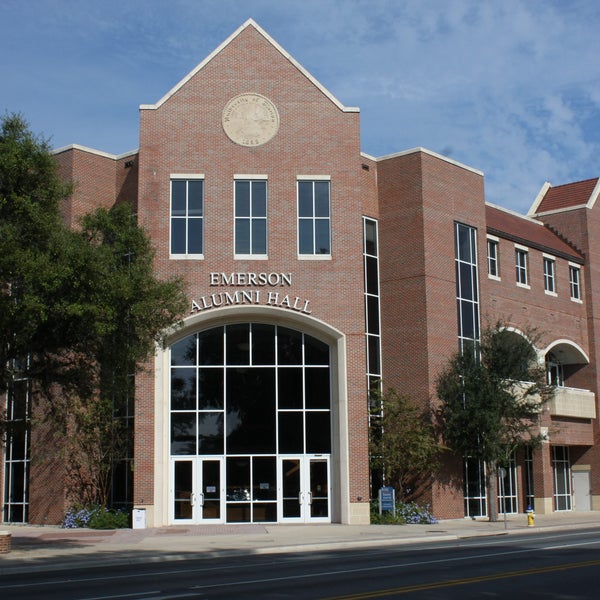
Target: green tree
402	444
491	401
82	306
33	244
133	310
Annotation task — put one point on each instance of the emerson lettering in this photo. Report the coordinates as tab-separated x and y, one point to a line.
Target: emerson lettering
251	279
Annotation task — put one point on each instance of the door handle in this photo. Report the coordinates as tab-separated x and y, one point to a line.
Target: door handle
309	497
299	497
192	499
201	495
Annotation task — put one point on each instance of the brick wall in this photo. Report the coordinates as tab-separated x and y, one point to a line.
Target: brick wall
5	542
316	136
421	197
94	179
582	227
47	501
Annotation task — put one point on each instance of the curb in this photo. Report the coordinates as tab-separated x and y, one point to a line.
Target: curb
128	556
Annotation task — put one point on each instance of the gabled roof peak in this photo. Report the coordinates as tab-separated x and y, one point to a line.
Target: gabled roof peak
229	40
568	196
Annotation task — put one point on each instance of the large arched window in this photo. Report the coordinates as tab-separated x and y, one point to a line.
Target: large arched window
250	425
250	389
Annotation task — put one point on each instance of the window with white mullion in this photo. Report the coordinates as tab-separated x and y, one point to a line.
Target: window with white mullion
467	294
521	267
251	217
187	208
314	226
562	478
575	282
493	264
549	275
17	450
372	307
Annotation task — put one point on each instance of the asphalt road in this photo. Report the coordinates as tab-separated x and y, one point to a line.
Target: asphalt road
550	565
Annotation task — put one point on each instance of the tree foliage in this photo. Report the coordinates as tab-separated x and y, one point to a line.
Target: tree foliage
33	245
491	400
403	444
133	309
83	306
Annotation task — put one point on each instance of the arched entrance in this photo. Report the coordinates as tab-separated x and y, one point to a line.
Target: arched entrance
251	435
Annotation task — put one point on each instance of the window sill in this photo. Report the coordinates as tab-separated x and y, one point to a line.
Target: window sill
250	257
314	256
186	256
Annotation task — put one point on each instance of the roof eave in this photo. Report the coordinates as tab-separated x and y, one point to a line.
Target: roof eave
94	151
430	153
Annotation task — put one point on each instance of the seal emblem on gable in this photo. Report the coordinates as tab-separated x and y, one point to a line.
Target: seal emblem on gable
250	120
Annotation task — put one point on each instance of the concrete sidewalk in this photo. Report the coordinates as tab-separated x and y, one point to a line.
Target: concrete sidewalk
49	548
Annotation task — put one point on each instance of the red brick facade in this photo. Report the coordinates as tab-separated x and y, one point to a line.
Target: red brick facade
416	198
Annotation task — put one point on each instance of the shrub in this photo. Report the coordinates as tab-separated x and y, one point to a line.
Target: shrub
109	519
406	513
95	517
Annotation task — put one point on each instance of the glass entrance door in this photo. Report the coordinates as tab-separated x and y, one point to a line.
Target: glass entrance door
304	485
197	492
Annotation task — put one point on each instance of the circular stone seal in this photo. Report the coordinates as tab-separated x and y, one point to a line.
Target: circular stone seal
250	120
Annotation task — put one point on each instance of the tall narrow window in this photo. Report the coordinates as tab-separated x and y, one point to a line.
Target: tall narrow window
493	266
187	208
475	493
467	305
251	217
562	478
373	337
507	488
549	275
528	478
467	295
372	313
17	450
575	282
314	230
521	266
122	464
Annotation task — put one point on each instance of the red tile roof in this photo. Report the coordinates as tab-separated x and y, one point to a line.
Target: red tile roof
528	232
567	196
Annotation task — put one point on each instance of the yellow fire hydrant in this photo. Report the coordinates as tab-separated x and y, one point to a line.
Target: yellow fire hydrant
530	517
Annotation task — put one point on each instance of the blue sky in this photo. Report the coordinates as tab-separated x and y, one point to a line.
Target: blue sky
509	87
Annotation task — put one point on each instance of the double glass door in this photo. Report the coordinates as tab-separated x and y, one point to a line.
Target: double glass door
305	495
197	490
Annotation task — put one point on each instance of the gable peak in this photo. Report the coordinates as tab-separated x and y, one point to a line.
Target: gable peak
254	25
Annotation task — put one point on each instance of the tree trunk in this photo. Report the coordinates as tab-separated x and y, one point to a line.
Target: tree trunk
491	485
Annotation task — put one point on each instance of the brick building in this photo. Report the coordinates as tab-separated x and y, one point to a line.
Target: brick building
314	270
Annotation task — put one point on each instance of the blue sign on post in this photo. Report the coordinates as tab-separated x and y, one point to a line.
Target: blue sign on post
387	499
